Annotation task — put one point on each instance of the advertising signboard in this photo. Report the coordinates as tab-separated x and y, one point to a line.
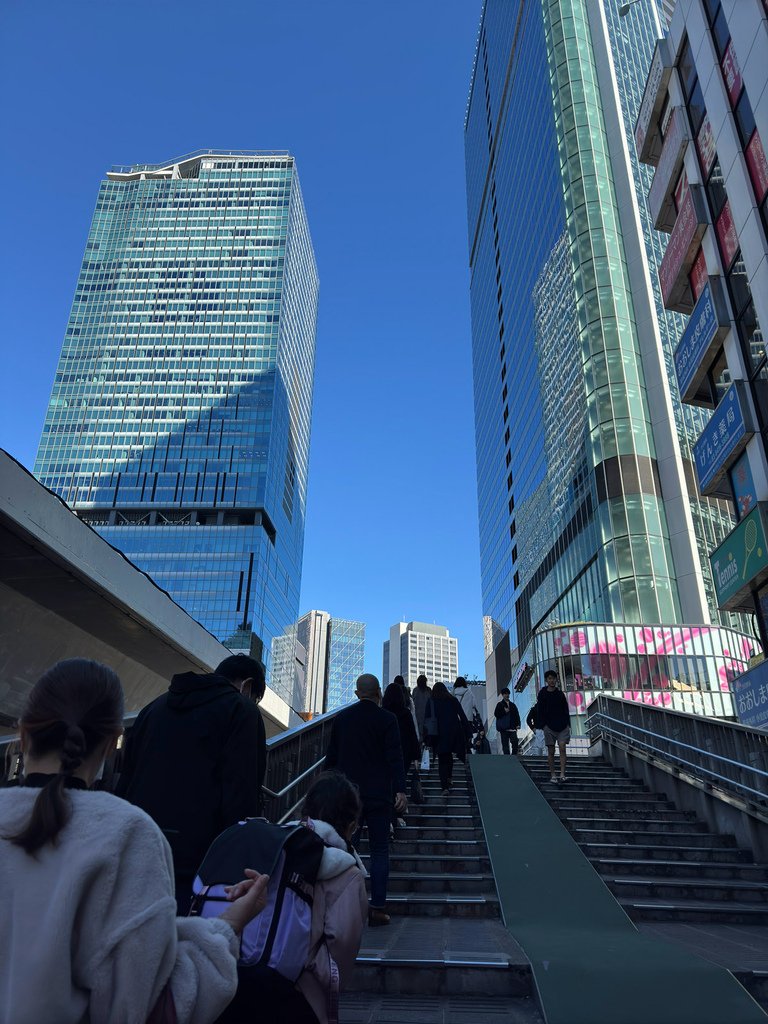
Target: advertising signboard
743	484
741	562
732	74
705	144
750	696
650	106
726	235
670	162
698	275
701	338
681	249
723	439
758	166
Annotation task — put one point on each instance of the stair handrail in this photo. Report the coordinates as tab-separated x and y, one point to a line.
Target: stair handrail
607	717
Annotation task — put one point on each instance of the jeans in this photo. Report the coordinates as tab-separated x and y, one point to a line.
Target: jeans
445	769
378	822
506	739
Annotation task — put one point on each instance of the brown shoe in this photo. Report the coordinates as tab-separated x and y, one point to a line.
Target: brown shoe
377	917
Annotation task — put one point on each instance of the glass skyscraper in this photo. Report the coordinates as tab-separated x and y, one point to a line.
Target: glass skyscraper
179	421
588	506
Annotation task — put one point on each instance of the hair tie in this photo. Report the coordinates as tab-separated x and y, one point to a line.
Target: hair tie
73	750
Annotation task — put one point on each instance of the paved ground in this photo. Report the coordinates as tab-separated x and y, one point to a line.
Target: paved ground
738	947
450	1010
470	940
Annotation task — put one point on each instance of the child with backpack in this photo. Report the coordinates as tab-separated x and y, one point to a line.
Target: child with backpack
292	967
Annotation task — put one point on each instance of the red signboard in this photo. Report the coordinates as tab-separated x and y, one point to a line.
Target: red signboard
731	74
698	276
679	243
726	236
758	165
705	144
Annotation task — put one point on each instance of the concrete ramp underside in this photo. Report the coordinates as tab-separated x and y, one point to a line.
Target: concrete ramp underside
590	963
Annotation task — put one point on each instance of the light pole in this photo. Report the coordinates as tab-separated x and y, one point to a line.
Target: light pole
624	9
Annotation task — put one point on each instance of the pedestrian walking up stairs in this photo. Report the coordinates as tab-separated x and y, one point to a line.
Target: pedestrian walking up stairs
445	956
668	871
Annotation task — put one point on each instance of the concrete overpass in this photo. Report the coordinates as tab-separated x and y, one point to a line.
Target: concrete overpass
65	592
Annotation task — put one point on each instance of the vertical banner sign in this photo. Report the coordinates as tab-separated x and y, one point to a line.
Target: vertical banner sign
732	74
721	439
678	245
702	329
758	166
726	235
705	144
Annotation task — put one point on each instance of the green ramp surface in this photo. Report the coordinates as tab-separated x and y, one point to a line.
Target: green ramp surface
590	963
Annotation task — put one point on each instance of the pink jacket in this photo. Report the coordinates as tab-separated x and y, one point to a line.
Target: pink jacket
339	914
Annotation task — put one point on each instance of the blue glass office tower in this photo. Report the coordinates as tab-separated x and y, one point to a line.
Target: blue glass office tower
587	499
179	422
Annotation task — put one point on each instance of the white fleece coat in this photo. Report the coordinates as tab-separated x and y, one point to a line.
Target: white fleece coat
89	930
339	913
465	696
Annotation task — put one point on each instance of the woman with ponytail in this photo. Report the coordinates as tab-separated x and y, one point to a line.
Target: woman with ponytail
86	881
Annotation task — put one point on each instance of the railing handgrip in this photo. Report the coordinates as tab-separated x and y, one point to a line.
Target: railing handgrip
299	778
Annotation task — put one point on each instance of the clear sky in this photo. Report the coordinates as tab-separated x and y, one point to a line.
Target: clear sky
370	99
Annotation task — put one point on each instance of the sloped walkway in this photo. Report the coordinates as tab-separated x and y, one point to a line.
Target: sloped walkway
590	963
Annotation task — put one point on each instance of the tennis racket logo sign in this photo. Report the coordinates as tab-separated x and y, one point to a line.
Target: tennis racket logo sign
750	543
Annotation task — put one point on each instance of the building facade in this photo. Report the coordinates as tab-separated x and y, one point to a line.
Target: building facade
317	660
179	421
587	507
701	129
418	648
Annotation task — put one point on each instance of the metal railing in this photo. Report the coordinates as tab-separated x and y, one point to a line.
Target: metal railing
724	755
294	757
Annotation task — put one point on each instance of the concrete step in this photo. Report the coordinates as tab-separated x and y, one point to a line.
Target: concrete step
608	808
654	837
657	851
655	824
648	868
456	883
432	847
699	911
415	863
692	888
418	820
419	1009
410	904
438	832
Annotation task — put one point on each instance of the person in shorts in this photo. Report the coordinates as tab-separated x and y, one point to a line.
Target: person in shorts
554	718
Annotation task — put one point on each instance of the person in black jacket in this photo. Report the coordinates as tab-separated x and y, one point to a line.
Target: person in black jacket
553	716
507	721
445	712
365	746
195	760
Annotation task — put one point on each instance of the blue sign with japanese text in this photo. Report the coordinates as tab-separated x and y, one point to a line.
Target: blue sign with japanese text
720	438
703	325
750	696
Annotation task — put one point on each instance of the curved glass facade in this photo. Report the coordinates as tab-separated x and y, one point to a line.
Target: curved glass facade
574	523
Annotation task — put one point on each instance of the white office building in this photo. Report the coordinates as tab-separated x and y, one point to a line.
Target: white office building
416	648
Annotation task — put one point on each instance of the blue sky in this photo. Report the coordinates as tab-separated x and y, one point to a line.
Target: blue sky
370	98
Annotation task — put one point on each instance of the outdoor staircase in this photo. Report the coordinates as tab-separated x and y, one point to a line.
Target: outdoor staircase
674	877
445	957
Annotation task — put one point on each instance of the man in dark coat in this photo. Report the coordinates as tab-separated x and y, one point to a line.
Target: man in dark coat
507	721
195	760
554	717
365	746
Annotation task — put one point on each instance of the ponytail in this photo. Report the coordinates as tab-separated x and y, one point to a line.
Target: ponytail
74	707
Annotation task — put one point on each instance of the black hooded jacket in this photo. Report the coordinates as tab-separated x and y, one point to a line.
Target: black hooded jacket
195	761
